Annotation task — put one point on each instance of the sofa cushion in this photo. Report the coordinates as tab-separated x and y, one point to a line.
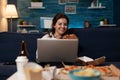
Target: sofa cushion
97	42
10	44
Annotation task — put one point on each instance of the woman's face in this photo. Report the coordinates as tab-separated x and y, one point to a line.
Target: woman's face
61	26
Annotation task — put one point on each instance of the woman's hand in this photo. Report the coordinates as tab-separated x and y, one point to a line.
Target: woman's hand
70	36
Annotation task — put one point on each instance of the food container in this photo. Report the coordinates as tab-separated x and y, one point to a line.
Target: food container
89	61
89	74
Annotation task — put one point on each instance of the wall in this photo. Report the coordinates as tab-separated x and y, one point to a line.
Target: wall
3	20
116	10
76	20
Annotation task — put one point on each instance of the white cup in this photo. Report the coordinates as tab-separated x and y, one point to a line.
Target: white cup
101	23
21	76
92	4
100	4
20	62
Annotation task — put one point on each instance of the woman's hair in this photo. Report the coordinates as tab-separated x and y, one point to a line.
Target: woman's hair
56	18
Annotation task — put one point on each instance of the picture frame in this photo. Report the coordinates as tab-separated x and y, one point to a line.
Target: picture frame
62	1
70	9
73	1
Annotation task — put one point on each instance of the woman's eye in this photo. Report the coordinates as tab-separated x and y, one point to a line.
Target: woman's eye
60	23
65	24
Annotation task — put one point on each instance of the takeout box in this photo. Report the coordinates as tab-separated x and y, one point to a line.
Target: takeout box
110	78
89	61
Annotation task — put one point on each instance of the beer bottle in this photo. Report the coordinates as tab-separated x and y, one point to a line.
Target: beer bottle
23	50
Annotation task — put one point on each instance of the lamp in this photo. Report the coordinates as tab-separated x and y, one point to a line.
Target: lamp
11	12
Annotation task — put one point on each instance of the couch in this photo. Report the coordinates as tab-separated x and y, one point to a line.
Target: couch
97	42
10	44
93	42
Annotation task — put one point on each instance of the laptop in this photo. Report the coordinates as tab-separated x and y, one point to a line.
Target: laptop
57	50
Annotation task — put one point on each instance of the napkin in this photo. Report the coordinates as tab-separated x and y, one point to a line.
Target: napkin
49	74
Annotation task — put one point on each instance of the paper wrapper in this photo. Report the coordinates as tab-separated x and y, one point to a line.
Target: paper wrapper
33	71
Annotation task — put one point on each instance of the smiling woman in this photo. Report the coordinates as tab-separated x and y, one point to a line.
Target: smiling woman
59	28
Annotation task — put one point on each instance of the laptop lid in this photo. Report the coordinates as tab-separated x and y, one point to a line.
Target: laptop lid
57	50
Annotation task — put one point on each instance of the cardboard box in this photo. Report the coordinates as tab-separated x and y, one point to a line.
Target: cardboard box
89	61
109	78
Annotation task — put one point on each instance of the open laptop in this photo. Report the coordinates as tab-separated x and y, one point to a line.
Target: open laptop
57	50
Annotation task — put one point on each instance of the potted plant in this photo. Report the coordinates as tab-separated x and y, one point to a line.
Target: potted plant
20	21
36	3
101	21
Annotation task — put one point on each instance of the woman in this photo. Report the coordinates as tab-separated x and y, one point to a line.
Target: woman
60	28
